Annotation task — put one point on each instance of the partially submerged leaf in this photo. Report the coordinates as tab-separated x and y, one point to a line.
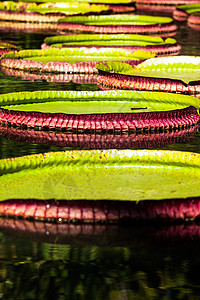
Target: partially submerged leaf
119	23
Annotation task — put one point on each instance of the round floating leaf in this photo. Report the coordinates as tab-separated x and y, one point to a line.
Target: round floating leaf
120	19
85	102
77	54
74	60
182	68
80	1
67	8
8	46
101	175
189	8
107	39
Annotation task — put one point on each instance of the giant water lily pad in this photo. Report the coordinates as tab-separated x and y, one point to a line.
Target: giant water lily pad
182	12
194	20
96	102
75	60
76	8
108	175
128	2
126	177
162	5
177	73
191	13
7	47
67	8
119	23
45	12
128	41
99	111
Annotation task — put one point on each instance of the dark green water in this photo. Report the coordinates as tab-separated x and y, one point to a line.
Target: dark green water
57	261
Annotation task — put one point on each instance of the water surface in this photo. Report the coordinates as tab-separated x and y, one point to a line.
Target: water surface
66	261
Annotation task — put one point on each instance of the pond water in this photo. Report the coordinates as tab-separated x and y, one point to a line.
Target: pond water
66	261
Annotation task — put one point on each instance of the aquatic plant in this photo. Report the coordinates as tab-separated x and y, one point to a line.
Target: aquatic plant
162	5
126	175
45	12
107	2
120	23
111	111
7	47
182	12
178	74
190	12
194	21
71	60
131	42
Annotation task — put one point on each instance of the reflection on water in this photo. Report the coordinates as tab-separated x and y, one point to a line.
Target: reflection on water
10	84
18	141
99	262
66	261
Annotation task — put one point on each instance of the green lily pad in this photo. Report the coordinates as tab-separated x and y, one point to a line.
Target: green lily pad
80	1
189	8
183	68
117	20
73	55
101	175
107	39
67	8
8	46
96	102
